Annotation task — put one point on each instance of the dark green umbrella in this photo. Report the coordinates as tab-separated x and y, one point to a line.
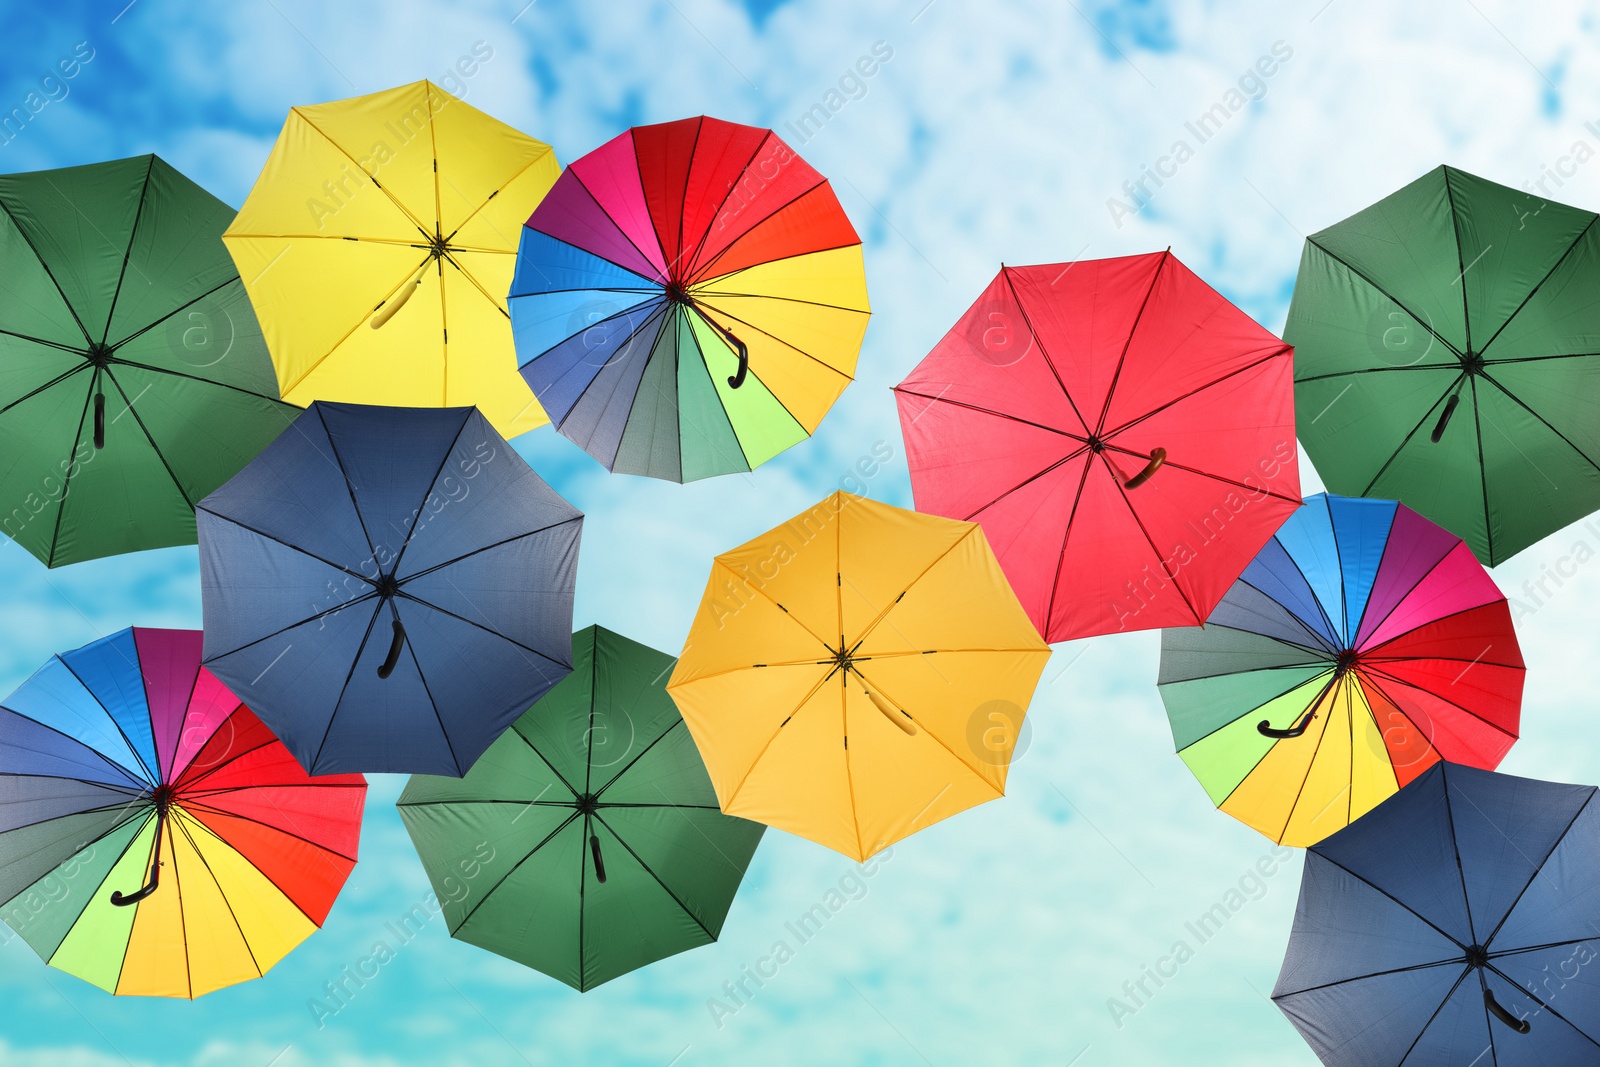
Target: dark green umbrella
1447	354
133	376
587	841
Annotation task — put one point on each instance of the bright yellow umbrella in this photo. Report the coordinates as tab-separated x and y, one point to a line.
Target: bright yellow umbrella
858	673
378	245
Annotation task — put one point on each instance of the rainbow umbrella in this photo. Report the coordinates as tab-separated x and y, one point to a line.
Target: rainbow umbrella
1361	646
156	839
689	300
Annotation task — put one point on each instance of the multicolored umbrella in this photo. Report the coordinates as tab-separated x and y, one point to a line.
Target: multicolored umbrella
1124	435
1453	925
156	839
689	300
1445	355
389	588
586	842
857	674
378	244
1362	645
133	377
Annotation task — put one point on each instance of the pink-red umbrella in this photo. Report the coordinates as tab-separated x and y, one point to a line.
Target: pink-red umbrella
1123	433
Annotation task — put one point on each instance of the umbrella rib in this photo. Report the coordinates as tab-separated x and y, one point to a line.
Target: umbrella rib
528	648
594	685
1027	322
1540	283
1461	261
1401	599
1483	472
849	772
1453	367
1465	711
667	258
416	515
923	573
1406	440
703	269
1382	292
1173	578
1277	353
1568	829
78	351
183	918
1205	474
135	804
706	298
1518	401
640	860
1539	359
474	212
57	380
941	399
141	331
999	792
625	235
793	348
1367	655
394	610
1116	375
1050	468
152	777
134	782
354	661
319	615
1321	644
127	253
300	113
1539	1001
285	388
700	242
1391	896
1330	691
1321	611
1460	960
487	548
744	457
344	476
107	877
559	776
66	480
1455	846
177	739
1462	977
176	484
189	837
498	305
87	340
659	312
1344	606
734	795
568	821
190	805
203	381
612	780
155	858
763	594
1248	712
1066	536
701	280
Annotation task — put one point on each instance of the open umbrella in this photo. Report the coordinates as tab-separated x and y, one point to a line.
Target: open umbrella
1445	356
1124	435
586	842
857	674
689	300
388	588
1452	925
1362	645
155	838
133	377
378	245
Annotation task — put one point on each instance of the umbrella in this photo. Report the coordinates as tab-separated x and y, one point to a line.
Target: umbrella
389	588
586	842
1453	925
155	838
858	673
1124	435
133	377
378	244
689	300
1444	343
1362	645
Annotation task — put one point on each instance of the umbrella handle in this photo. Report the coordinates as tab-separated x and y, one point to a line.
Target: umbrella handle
1444	417
599	863
1521	1026
395	645
120	901
1265	728
1158	456
99	420
737	379
893	714
392	308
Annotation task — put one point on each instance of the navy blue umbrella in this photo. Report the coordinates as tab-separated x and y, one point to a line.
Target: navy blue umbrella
1455	925
388	588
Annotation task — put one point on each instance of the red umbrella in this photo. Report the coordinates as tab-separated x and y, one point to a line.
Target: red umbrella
1124	435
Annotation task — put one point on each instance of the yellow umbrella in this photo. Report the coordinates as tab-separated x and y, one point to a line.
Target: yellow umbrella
378	245
858	673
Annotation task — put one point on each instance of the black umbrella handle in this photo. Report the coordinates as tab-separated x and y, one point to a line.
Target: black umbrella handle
120	901
1158	456
737	379
1521	1026
395	645
99	420
1265	728
1444	417
599	861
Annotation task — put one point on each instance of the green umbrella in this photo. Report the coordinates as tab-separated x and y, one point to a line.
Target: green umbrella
1447	354
587	841
133	376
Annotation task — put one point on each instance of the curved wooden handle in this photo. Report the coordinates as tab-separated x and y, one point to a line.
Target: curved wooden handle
1157	458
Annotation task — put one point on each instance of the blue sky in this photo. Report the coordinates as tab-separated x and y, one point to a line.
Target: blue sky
996	132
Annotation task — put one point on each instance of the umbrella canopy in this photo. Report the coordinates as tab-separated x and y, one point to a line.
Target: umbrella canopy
378	245
1362	645
1452	925
1445	356
1124	435
133	377
586	842
689	300
857	674
389	588
156	839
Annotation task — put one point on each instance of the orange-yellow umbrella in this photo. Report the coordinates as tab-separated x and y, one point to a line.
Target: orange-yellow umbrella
857	674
